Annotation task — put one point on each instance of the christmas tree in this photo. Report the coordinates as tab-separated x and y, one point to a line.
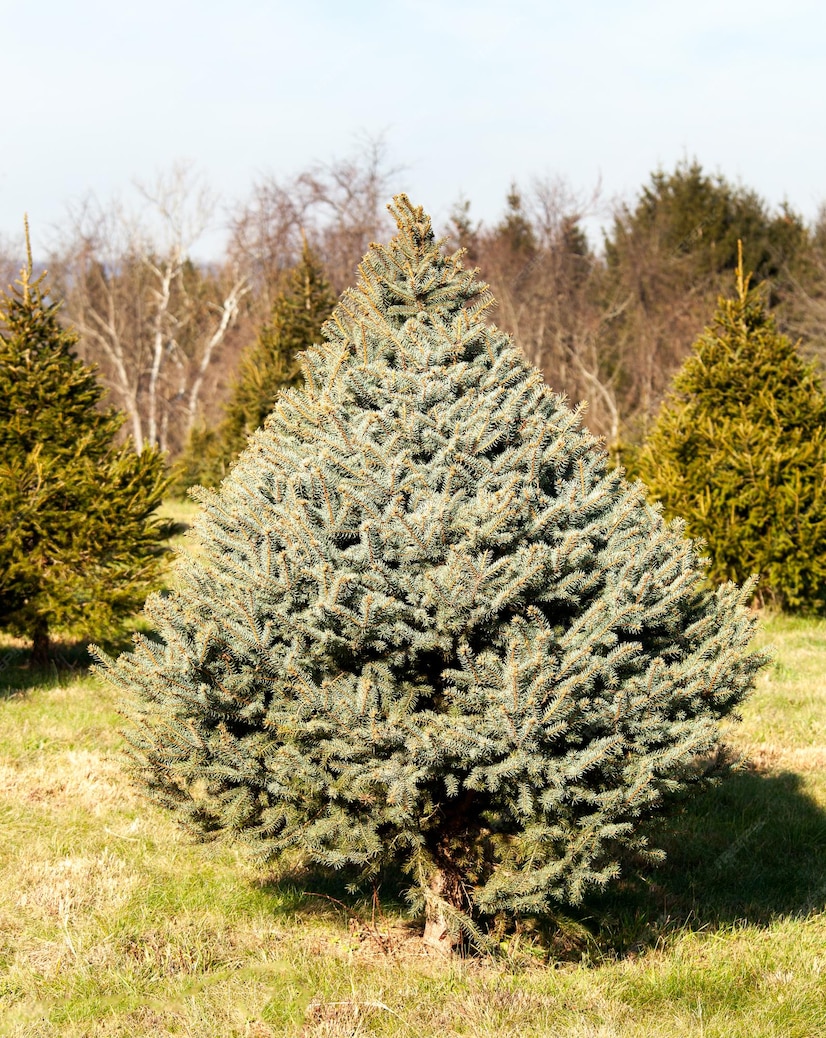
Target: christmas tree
429	625
79	546
270	365
739	450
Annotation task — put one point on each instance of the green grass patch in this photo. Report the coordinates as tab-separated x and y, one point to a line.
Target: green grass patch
113	922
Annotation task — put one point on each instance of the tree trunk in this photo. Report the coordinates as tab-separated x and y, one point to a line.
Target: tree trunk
445	886
41	643
447	890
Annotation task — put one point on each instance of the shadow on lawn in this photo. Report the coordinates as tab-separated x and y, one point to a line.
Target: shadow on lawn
750	850
342	893
70	661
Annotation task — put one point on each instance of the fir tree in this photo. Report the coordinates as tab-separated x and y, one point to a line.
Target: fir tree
739	450
270	365
79	547
429	625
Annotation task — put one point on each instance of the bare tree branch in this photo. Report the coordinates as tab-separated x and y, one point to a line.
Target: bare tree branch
151	317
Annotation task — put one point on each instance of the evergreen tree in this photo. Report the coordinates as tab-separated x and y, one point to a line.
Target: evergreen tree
515	229
429	626
79	547
668	257
739	450
692	222
270	365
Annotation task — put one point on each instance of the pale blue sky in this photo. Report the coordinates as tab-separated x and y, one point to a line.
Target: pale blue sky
471	95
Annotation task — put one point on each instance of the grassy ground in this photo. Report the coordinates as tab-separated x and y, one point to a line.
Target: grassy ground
113	923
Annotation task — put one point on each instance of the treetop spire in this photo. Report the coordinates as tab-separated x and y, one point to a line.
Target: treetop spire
25	279
412	275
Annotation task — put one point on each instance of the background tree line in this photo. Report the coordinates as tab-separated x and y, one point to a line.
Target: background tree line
606	321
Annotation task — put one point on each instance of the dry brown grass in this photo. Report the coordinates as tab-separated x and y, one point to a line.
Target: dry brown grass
82	780
770	757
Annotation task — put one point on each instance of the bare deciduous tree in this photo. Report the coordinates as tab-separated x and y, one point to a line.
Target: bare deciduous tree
802	315
12	258
148	314
339	207
547	282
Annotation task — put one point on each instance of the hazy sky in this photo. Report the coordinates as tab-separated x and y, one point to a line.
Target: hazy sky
471	95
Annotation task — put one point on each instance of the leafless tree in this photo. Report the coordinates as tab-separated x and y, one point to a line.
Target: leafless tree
547	281
339	207
152	318
656	302
802	314
12	260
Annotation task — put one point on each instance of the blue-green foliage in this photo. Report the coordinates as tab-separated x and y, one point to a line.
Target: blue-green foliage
429	625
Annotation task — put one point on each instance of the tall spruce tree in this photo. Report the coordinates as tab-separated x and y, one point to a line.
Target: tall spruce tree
271	364
429	625
79	546
739	450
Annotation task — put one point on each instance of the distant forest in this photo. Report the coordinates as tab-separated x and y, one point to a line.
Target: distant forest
607	322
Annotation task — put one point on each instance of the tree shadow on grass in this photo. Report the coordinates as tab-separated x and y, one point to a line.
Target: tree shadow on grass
18	675
341	893
70	660
748	851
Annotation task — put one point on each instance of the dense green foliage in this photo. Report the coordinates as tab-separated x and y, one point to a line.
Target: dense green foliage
688	215
79	547
739	450
667	258
429	626
270	365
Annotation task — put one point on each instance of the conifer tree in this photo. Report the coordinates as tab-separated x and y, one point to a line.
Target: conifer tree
79	546
271	364
429	625
739	450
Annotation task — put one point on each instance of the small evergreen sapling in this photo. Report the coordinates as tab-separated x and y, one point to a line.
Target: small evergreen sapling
79	545
270	365
739	451
429	625
273	363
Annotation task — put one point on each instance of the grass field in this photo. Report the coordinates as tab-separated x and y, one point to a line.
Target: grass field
114	923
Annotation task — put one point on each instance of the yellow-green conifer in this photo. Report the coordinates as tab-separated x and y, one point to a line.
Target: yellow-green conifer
739	451
79	544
